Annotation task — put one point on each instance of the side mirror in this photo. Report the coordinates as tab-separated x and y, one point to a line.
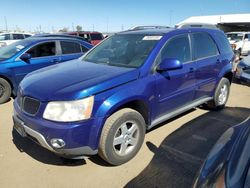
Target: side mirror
25	57
169	64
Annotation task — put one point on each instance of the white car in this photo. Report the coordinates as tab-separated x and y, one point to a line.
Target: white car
9	38
240	42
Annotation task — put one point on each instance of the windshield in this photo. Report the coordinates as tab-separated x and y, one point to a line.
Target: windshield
125	50
235	36
9	51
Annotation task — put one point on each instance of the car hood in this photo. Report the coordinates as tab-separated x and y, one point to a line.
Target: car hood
74	80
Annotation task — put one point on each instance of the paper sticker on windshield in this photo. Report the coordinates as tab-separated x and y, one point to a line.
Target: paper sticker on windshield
152	38
19	47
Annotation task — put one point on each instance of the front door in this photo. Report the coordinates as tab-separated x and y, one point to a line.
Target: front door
175	88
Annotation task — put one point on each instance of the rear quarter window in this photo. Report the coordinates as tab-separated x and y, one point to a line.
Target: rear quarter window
224	45
203	45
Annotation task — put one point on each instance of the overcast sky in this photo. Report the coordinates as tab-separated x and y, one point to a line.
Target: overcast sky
109	15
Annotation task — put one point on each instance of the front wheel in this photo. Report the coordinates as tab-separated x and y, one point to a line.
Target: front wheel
221	95
122	136
5	91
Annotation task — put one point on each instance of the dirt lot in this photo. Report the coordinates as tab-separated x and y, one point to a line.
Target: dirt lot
170	157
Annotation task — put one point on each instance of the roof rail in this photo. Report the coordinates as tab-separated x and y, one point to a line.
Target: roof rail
141	27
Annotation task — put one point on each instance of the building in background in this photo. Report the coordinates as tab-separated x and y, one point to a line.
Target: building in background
227	23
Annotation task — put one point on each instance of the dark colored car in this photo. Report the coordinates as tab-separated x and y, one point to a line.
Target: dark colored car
130	82
228	164
243	70
22	57
92	37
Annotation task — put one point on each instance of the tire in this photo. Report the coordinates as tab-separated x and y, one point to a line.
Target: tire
5	91
122	136
221	95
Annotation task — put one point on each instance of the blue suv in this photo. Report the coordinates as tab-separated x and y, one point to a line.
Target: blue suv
25	56
105	101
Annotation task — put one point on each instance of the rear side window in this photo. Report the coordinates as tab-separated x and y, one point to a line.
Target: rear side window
84	49
26	35
177	48
17	36
43	50
224	43
70	47
203	45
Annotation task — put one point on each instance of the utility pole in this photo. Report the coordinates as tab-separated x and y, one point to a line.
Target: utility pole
6	23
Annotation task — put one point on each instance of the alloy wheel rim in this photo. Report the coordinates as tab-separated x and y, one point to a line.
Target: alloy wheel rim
223	94
1	90
126	138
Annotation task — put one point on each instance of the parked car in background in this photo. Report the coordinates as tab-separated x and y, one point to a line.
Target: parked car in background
240	42
134	80
228	164
242	72
9	38
22	57
92	37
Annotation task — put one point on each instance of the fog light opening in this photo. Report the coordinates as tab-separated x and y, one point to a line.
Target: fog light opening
57	143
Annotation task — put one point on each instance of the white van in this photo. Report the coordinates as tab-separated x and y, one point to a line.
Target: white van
9	38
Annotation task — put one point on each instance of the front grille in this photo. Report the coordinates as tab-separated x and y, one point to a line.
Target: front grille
28	105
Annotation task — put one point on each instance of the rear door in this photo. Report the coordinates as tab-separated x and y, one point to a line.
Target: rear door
175	88
208	60
71	50
42	55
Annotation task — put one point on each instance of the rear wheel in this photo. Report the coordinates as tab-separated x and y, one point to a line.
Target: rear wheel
5	91
221	95
122	136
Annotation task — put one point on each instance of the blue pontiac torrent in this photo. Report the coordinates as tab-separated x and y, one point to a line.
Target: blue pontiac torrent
25	56
103	102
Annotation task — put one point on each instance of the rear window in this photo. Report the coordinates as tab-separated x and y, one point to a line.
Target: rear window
204	46
70	47
224	43
96	36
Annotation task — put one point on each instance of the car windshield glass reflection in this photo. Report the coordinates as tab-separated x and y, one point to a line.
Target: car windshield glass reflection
123	50
9	51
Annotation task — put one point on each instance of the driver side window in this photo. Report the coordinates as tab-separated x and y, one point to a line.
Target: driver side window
177	48
43	50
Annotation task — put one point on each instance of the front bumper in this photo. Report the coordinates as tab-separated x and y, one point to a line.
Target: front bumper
81	138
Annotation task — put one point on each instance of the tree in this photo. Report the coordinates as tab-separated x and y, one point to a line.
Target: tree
65	29
79	28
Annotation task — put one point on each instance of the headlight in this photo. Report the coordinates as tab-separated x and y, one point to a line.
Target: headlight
69	111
